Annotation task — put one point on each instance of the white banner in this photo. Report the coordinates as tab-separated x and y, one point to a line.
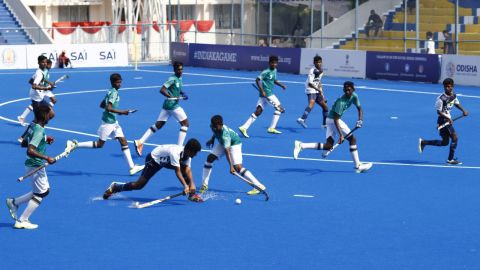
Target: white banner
336	63
13	57
81	55
464	70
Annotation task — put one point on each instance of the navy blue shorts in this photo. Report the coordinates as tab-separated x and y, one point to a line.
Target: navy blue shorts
151	167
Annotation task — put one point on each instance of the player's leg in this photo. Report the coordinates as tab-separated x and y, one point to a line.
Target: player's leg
322	102
180	115
161	120
359	166
14	203
217	152
331	133
311	102
21	118
151	168
276	114
444	133
237	160
453	146
134	168
258	111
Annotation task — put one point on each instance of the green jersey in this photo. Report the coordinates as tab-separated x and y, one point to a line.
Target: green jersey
111	97
174	87
342	104
46	77
268	77
228	137
36	137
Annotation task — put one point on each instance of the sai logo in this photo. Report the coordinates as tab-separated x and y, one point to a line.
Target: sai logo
387	66
450	69
420	69
347	59
8	56
407	68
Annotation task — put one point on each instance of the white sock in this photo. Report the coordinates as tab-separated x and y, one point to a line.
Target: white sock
148	133
181	135
354	152
317	146
26	112
88	144
276	117
23	199
249	121
128	156
249	176
207	171
32	205
51	104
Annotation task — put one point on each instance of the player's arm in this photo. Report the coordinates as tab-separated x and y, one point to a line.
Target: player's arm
32	152
360	117
258	81
465	113
280	84
187	175
229	159
164	92
211	142
178	173
110	108
439	107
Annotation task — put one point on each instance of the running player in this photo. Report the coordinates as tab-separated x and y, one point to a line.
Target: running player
230	146
444	105
314	91
265	82
36	156
40	87
169	156
110	128
336	127
172	89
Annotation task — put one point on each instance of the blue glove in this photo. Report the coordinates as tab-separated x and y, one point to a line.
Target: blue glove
184	96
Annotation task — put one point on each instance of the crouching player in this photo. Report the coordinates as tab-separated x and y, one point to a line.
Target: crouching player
170	156
336	127
230	146
36	156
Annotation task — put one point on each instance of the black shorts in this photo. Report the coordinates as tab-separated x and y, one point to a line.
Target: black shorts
317	97
36	104
151	167
447	131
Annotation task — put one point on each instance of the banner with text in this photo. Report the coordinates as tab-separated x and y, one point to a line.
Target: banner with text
462	69
243	57
13	57
179	52
81	55
403	66
336	63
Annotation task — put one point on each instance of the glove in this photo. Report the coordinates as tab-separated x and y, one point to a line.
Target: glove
184	95
359	123
50	139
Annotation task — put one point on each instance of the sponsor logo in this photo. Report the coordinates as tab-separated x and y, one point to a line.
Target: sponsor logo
461	69
387	66
8	57
215	56
450	69
420	69
347	59
407	68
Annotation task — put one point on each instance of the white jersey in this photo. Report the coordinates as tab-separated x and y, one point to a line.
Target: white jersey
170	156
430	46
445	103
314	77
38	78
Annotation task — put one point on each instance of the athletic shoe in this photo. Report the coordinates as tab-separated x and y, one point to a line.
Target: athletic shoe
253	192
12	208
71	145
136	168
454	161
25	225
22	121
420	145
301	122
20	139
138	147
244	132
363	167
273	131
203	188
195	198
109	192
297	148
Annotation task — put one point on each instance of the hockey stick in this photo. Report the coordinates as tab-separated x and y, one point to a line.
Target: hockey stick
61	79
32	172
448	123
132	111
324	155
148	204
277	107
253	185
176	98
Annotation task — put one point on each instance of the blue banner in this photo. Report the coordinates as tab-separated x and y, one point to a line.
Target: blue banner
179	52
243	57
403	66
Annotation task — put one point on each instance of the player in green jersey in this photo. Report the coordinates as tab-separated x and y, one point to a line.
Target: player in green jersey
172	90
36	156
336	127
265	82
110	128
229	144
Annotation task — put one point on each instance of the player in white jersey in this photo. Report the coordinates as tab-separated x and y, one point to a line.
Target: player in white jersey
314	91
40	88
444	105
170	156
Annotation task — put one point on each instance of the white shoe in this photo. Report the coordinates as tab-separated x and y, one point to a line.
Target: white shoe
302	122
12	208
22	121
363	167
136	168
71	145
297	148
244	132
25	225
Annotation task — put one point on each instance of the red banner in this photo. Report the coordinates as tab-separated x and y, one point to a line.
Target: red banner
91	27
203	26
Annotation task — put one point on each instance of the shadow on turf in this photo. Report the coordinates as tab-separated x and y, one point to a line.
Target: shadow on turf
11	142
309	171
412	162
77	173
6	225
